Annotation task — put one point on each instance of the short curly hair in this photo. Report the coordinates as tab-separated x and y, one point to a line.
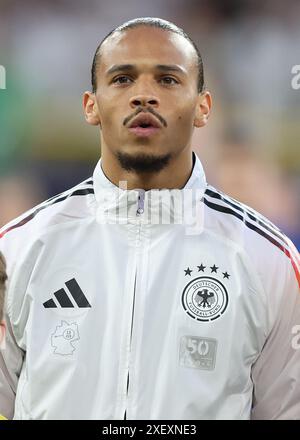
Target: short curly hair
3	278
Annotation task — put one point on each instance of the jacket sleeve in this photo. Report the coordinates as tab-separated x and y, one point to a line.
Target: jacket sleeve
11	355
276	372
11	360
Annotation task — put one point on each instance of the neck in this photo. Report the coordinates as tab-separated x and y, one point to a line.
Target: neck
174	176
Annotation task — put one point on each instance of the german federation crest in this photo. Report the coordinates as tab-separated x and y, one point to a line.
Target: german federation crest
205	298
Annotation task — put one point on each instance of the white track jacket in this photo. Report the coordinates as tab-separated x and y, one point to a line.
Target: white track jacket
161	304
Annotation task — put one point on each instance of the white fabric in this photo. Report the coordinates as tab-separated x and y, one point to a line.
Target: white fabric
139	348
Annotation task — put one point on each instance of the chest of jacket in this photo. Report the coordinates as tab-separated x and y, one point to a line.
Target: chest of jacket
140	316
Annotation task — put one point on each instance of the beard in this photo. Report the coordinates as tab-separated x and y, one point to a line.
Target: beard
143	163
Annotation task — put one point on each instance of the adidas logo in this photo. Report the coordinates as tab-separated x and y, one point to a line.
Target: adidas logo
63	297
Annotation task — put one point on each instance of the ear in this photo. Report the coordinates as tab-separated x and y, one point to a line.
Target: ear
203	109
91	109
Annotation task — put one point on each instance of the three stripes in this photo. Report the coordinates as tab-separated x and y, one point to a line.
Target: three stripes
255	222
64	300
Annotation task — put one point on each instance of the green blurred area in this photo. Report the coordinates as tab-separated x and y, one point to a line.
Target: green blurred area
43	128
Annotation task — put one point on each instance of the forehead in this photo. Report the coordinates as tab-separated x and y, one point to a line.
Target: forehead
149	45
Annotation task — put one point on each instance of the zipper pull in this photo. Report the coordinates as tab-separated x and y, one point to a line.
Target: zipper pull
141	202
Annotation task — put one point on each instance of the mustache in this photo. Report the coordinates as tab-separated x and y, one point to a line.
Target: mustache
147	110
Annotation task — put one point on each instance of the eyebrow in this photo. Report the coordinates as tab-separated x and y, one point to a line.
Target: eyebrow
131	67
170	68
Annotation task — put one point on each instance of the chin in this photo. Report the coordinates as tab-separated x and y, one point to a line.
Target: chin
139	160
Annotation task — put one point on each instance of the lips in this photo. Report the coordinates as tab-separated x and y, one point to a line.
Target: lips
145	120
144	125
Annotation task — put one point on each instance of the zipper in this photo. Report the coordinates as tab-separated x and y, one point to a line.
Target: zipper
141	202
132	316
139	212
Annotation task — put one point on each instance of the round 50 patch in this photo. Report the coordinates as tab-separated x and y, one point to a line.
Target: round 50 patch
205	298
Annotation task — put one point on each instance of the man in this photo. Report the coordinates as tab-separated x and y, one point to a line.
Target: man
3	277
144	293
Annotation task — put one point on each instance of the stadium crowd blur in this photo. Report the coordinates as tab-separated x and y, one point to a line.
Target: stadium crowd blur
250	148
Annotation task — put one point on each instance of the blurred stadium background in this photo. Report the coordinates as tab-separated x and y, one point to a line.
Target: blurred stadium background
250	148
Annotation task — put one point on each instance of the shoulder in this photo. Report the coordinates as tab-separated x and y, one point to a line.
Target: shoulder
71	204
241	221
269	249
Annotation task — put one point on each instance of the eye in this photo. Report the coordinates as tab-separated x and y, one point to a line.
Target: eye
168	80
122	79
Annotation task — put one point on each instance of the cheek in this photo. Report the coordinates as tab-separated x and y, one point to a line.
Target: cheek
185	112
185	118
182	125
111	124
108	116
106	120
111	110
104	109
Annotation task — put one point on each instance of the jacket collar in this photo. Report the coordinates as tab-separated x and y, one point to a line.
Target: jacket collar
119	205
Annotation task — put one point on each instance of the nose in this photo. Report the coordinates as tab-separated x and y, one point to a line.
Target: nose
144	100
